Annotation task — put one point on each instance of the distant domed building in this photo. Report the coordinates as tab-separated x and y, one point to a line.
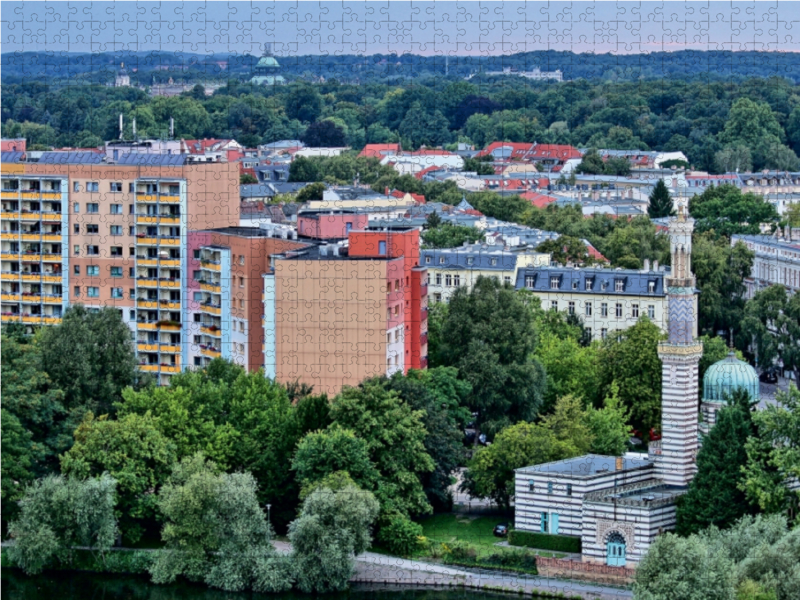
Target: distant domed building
266	69
122	79
721	379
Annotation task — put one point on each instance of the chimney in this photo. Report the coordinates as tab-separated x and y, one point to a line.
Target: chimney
120	126
646	265
620	463
655	265
133	128
171	128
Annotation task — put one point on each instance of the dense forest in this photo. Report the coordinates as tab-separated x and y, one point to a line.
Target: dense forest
688	64
720	126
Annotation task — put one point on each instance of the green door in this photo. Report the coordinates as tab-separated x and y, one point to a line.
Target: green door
615	550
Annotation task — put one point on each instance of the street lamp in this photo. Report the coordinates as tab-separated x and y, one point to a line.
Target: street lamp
269	506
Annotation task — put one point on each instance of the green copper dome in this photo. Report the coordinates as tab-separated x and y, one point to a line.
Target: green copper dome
727	375
267	61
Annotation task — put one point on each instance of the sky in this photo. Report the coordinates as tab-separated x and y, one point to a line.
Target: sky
427	28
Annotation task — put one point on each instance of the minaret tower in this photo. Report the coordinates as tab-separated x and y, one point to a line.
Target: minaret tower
680	358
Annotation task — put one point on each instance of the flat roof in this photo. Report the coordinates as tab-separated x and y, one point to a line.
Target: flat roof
586	466
651	493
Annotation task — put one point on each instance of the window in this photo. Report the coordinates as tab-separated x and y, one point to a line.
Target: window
116	209
588	283
554	283
604	309
131	230
76	250
651	286
130	206
241	258
571	307
132	295
470	260
132	315
575	285
77	270
132	272
448	280
507	279
549	487
92	186
554	305
494	261
603	333
241	282
437	297
92	250
441	260
651	311
619	285
569	489
427	260
76	228
76	207
116	250
618	310
130	187
93	292
456	280
382	248
92	229
116	230
438	279
93	271
588	332
530	281
116	292
76	291
92	207
196	254
241	303
531	486
588	309
76	187
545	523
197	275
116	186
116	272
635	311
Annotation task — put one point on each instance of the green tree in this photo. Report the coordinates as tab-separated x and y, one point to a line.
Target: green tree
727	211
247	179
135	453
312	412
395	437
631	360
333	527
773	458
311	192
322	453
19	456
591	163
304	103
734	159
771	325
59	513
448	235
714	496
30	397
490	473
442	396
566	249
660	202
677	568
215	531
90	356
488	335
618	166
609	428
637	240
720	270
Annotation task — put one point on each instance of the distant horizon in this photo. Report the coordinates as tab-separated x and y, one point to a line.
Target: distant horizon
422	28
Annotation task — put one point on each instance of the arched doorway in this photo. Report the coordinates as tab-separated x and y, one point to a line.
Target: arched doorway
615	550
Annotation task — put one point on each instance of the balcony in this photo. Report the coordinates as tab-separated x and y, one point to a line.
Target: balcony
210	351
170	348
212	331
9	216
10	297
210	265
144	261
155	219
31	298
10	235
148	282
211	309
166	199
32	319
211	287
41	277
10	194
423	362
149	347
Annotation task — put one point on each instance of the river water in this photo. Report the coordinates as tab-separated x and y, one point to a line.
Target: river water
92	586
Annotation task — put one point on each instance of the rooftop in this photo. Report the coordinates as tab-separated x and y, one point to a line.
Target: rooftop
589	465
651	494
593	280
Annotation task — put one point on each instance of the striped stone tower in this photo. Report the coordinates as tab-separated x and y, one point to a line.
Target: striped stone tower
680	357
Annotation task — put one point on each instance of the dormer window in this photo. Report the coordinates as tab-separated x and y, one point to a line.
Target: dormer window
574	285
588	284
494	261
651	286
470	260
441	260
427	260
554	283
619	285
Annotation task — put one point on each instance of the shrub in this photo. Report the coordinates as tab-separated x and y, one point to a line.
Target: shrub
518	559
401	535
462	551
544	541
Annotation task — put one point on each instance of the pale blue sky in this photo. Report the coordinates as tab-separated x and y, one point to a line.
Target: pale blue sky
454	28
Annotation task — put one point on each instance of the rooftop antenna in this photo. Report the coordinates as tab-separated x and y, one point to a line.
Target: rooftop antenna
120	127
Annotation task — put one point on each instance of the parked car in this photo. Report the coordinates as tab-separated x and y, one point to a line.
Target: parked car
769	375
501	530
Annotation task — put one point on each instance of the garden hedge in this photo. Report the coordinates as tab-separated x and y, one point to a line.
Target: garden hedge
544	541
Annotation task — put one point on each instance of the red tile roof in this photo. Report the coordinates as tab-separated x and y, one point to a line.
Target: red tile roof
380	150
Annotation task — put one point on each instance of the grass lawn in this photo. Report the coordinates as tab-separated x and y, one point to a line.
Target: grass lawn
474	530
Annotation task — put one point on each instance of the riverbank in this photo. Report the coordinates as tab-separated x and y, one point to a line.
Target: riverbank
374	568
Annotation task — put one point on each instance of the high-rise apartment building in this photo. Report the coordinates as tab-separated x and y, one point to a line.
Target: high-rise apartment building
89	229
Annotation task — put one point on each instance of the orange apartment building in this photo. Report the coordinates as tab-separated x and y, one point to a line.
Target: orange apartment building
224	308
78	227
335	314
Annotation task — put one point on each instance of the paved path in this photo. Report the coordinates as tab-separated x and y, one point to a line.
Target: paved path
379	568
